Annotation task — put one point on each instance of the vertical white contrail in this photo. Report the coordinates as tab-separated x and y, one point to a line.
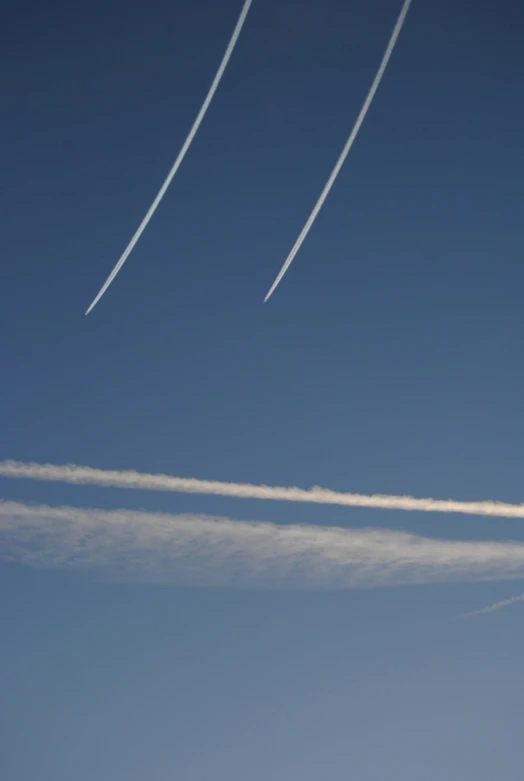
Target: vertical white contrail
349	143
181	154
492	608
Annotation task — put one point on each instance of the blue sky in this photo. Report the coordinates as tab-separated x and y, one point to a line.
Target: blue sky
387	361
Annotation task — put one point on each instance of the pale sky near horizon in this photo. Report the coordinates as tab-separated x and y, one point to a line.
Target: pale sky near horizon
388	361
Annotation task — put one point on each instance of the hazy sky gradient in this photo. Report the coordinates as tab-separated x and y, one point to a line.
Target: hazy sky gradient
397	369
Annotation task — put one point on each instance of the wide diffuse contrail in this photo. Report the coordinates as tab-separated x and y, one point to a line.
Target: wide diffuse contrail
84	475
208	551
181	154
349	143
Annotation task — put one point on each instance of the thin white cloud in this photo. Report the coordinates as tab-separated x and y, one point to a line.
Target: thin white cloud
492	608
181	154
84	475
205	551
349	143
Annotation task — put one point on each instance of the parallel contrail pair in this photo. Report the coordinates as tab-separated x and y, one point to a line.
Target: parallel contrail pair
349	143
181	154
84	475
312	217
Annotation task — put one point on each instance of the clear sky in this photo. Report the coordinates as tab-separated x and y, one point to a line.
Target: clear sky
389	360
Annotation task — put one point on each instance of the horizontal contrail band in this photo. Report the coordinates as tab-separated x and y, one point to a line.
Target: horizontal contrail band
83	475
176	165
219	552
349	143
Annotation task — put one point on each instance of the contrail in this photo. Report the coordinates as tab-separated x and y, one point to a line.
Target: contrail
84	475
492	608
181	154
199	550
349	143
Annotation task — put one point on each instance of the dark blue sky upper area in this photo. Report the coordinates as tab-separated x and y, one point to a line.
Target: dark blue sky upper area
389	356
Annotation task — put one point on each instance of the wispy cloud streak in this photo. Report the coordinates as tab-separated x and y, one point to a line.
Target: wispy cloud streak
84	475
176	165
349	143
492	608
206	551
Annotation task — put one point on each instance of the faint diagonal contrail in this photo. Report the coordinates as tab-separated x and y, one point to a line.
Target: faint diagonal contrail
492	608
349	143
85	475
181	154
